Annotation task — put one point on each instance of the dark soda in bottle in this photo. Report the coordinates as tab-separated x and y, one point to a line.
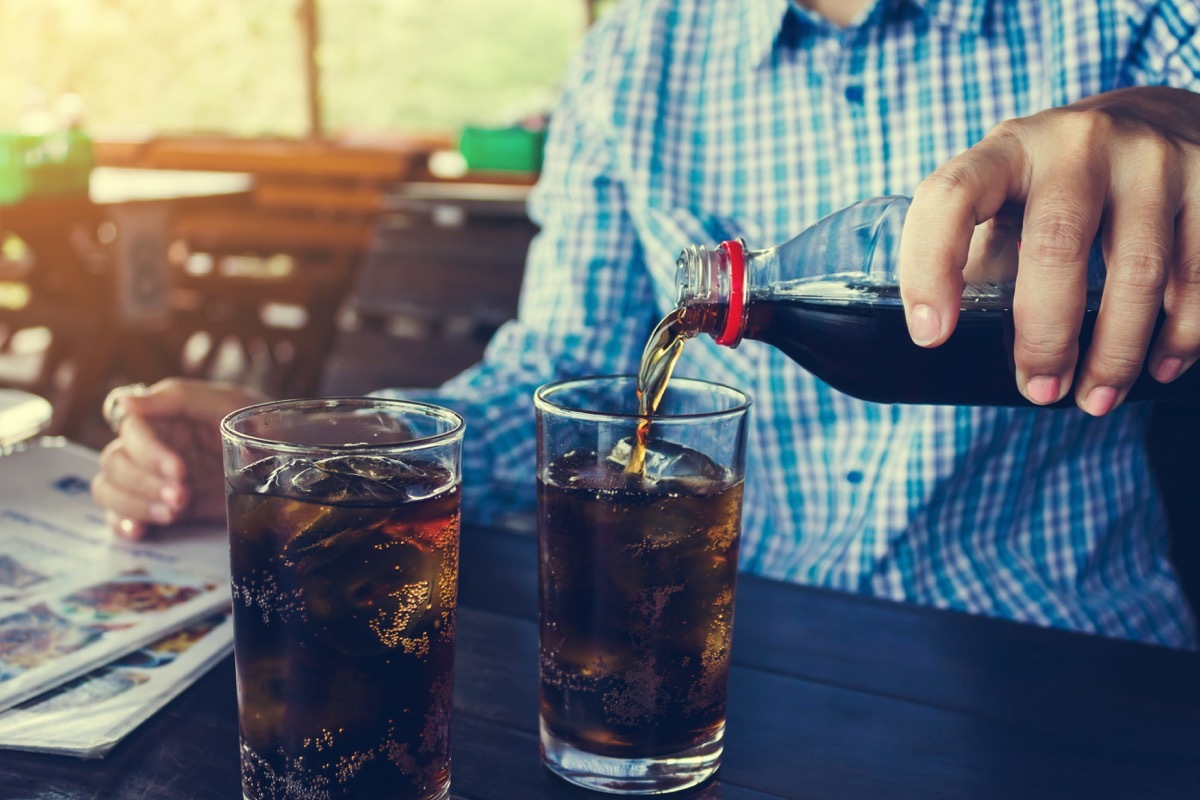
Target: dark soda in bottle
830	300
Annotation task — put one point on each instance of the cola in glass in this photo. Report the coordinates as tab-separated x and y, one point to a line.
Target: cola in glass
344	579
638	581
638	533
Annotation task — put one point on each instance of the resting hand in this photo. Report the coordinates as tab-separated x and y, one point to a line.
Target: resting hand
1126	165
165	464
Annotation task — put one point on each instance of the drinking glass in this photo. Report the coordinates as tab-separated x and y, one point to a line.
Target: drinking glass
637	573
344	530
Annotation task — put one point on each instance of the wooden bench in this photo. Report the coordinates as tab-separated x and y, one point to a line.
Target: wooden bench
257	285
442	273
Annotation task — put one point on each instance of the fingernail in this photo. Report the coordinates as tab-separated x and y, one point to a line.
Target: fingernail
172	496
1168	370
1043	389
159	513
170	468
127	528
1100	401
924	324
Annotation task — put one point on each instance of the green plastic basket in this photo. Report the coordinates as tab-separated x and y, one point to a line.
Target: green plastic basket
502	149
47	165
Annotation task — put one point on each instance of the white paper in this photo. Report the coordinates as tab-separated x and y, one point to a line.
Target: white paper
72	597
22	415
86	717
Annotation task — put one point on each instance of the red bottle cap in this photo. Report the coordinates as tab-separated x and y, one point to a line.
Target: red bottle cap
732	333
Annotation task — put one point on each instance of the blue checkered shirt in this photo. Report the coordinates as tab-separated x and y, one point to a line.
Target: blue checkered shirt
692	121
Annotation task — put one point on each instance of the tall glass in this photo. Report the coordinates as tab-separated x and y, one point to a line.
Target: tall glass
637	571
343	524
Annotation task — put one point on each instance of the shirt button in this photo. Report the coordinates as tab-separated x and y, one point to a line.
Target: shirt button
854	476
854	94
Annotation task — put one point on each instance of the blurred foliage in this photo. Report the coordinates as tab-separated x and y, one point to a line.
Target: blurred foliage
437	64
235	66
174	65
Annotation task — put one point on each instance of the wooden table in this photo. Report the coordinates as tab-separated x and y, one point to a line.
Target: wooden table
111	185
831	696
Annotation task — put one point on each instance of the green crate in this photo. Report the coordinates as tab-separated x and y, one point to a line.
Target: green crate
505	149
46	165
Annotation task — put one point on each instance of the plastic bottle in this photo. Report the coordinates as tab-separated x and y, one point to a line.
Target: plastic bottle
830	300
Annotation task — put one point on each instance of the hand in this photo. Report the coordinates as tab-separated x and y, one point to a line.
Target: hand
165	464
1125	164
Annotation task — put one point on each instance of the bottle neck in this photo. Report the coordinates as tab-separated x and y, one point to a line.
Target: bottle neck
714	287
710	290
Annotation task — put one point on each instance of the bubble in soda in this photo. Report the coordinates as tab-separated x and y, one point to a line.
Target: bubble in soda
345	584
638	576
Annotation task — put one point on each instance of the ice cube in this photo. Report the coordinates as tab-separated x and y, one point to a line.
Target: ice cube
584	469
335	480
311	482
366	594
371	480
261	476
375	468
297	478
262	685
667	461
313	547
579	661
383	479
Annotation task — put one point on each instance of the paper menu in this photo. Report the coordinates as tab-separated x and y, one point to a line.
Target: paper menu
86	717
71	596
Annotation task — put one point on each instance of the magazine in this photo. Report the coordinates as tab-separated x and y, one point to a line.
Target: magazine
86	717
72	596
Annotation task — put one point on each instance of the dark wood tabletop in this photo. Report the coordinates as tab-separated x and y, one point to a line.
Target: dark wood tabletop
831	696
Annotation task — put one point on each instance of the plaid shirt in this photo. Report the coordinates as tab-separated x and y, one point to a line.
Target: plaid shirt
693	121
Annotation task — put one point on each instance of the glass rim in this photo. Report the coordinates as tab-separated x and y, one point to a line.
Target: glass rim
542	401
230	433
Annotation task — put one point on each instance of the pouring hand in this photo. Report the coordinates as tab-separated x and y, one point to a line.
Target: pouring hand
1124	164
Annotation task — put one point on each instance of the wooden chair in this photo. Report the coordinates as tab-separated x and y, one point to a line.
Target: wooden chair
432	289
258	285
266	286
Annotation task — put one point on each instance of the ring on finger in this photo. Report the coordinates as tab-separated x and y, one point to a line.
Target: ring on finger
114	404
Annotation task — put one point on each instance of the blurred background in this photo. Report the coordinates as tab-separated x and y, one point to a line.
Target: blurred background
313	197
309	196
241	67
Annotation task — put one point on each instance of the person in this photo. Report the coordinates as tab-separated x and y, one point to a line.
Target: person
692	121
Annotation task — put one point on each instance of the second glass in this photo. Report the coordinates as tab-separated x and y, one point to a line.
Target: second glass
343	524
637	572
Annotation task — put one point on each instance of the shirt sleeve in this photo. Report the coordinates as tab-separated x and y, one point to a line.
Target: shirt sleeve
1165	44
586	303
